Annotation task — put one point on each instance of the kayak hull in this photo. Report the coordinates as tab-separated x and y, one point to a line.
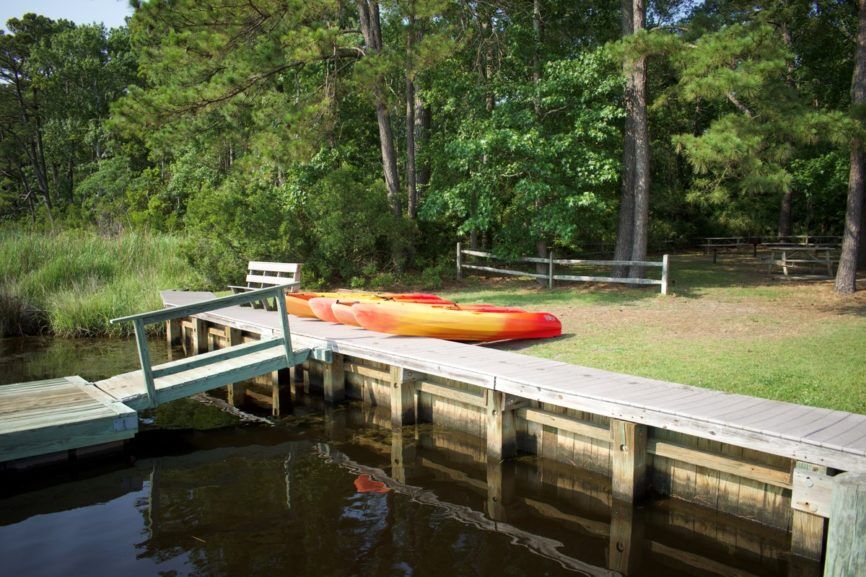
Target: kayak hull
484	325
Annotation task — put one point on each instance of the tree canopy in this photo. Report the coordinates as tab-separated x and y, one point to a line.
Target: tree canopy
365	136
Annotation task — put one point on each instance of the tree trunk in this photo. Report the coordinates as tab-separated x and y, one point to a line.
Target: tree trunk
625	226
423	120
846	275
489	103
368	15
862	252
785	213
641	152
540	243
411	184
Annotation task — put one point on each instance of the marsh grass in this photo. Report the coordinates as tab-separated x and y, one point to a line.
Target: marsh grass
72	282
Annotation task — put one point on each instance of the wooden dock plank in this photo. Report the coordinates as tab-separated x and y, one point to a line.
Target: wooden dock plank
73	414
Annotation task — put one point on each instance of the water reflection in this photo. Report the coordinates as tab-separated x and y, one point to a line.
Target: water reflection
256	500
36	358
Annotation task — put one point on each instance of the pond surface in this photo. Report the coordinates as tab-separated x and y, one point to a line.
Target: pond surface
329	491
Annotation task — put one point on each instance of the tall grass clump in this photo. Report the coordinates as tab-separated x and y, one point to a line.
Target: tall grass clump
72	282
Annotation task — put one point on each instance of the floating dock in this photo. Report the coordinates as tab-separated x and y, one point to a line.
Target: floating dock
61	414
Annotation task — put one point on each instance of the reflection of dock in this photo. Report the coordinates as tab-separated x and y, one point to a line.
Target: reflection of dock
242	501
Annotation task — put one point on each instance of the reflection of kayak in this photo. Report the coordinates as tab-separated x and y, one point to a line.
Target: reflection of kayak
487	323
298	304
365	484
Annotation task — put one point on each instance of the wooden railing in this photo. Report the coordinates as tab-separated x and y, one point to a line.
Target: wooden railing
140	320
551	262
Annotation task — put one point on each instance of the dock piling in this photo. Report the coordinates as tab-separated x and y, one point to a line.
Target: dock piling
628	444
846	538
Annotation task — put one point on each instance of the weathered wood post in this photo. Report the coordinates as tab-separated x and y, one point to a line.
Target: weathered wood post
334	378
665	265
501	435
459	257
808	527
550	269
173	334
628	443
402	397
235	392
198	337
846	539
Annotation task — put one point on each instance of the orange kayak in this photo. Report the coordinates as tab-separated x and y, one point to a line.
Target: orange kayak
344	314
488	323
322	309
298	304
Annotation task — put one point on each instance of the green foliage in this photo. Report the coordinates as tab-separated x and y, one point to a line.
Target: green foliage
553	178
743	156
250	130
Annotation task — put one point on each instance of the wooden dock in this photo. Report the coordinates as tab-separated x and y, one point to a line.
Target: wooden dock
765	460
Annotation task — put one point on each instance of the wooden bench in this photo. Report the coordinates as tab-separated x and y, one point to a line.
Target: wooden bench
267	274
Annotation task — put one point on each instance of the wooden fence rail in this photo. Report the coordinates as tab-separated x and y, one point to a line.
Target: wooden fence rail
551	262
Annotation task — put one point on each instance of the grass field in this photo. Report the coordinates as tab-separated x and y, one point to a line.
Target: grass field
729	327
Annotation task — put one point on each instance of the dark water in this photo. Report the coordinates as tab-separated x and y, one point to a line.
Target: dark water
294	498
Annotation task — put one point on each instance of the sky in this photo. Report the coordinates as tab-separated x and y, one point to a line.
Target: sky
109	12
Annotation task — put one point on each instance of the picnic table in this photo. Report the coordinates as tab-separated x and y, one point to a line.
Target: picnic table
715	243
786	256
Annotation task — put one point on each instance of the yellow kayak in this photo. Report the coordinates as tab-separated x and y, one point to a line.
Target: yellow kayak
453	323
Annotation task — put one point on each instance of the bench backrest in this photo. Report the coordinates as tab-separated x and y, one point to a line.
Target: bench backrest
264	274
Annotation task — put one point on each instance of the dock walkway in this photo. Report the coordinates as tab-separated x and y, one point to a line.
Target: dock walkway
835	439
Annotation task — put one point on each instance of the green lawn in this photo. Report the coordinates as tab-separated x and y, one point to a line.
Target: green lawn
729	327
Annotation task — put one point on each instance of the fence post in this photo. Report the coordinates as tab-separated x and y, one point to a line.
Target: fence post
459	271
665	265
550	270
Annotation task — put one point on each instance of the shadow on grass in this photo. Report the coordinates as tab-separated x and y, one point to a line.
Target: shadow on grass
527	293
527	343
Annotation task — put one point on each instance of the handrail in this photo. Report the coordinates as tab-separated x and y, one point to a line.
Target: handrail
139	320
203	306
